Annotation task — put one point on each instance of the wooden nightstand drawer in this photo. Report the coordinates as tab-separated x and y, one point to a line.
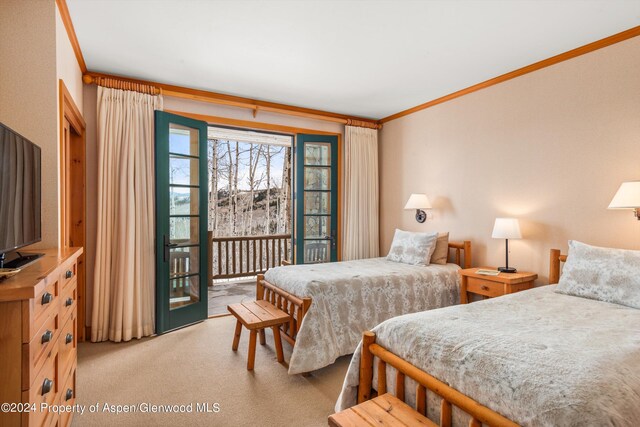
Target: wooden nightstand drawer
472	283
485	287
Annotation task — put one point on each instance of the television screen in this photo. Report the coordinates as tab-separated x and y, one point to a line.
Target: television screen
20	165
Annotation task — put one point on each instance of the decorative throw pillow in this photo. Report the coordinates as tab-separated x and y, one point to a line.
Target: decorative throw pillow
441	251
603	274
412	248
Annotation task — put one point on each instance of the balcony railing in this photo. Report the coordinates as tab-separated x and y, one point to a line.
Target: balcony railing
233	257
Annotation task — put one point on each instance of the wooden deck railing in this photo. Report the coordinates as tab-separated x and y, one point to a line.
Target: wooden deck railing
233	257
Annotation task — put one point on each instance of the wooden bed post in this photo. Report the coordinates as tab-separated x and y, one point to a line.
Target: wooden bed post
467	254
259	287
554	267
366	367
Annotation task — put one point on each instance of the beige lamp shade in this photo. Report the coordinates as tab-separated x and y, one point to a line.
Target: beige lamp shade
418	201
627	197
506	228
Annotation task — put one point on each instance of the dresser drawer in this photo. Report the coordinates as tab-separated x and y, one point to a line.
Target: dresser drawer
68	274
68	396
37	351
67	344
45	389
485	287
38	310
68	300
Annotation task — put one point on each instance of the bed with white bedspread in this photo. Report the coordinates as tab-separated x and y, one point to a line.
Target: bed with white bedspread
353	296
558	355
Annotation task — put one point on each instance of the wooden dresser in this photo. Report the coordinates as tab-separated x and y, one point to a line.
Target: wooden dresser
38	346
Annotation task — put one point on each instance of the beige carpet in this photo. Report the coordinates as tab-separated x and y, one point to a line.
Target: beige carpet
196	365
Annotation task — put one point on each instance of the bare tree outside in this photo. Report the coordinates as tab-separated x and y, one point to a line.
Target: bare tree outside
249	188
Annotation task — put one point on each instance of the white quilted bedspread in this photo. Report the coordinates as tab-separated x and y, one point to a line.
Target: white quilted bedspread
353	296
537	357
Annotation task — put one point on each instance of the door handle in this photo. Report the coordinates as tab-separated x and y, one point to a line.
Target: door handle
332	237
167	246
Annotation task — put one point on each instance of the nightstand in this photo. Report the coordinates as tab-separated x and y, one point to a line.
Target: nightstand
492	286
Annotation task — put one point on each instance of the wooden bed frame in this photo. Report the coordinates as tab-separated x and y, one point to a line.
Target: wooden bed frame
298	307
450	397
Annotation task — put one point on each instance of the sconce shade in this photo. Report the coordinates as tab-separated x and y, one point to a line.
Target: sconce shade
418	201
627	197
506	228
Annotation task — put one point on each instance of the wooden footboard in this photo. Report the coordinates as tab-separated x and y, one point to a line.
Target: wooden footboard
450	397
290	304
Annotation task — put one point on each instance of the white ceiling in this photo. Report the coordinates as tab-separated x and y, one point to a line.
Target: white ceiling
365	58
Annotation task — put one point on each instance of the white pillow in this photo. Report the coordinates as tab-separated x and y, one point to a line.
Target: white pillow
412	248
603	274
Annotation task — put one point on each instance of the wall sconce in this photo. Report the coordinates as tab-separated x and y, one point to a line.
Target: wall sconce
506	228
627	197
418	202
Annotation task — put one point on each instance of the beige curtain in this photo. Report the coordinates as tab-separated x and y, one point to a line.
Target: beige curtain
124	282
360	193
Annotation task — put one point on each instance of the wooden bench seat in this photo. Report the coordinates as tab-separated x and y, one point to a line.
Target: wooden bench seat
385	410
256	316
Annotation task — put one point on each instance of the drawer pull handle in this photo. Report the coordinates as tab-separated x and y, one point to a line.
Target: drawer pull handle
484	288
68	274
68	302
47	385
68	395
46	337
68	339
47	298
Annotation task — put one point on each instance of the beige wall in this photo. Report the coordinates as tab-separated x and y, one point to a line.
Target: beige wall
28	103
66	64
550	148
176	104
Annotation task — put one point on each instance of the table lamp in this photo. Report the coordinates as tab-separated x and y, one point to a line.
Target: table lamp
506	228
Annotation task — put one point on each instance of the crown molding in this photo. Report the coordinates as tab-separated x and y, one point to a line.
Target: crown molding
599	44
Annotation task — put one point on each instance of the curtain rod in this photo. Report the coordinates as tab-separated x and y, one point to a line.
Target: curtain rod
121	84
233	101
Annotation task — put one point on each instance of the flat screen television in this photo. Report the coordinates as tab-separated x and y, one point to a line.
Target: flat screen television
20	193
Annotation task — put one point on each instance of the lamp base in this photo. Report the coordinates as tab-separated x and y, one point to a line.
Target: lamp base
507	270
421	216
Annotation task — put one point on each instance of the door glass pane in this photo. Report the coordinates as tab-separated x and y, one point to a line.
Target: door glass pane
183	170
317	226
317	178
183	201
184	291
316	251
317	153
317	202
183	261
184	230
183	140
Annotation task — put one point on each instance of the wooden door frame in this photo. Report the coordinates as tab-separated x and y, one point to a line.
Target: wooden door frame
73	209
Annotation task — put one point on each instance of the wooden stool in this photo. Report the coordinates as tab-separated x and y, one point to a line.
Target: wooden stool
385	410
255	316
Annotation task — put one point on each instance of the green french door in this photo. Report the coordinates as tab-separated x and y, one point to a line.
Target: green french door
316	198
181	221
